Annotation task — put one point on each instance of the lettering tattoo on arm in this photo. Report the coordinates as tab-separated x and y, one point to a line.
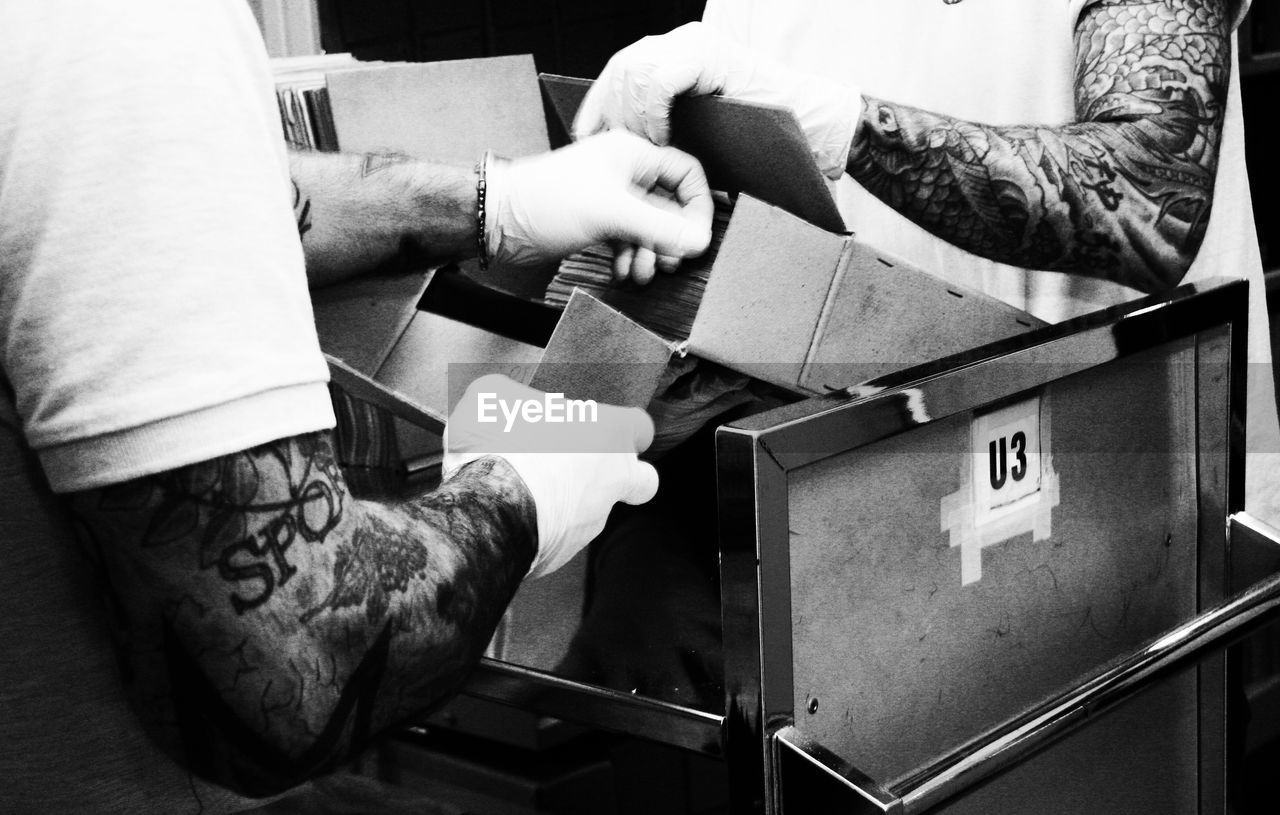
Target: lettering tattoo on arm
269	622
301	210
1122	193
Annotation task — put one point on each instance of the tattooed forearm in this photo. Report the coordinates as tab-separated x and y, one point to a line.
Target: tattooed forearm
1122	193
270	622
359	212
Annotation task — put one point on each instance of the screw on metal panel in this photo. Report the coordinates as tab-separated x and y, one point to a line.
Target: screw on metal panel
813	705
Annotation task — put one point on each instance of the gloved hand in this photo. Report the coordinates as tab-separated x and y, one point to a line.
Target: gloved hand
607	188
638	85
575	468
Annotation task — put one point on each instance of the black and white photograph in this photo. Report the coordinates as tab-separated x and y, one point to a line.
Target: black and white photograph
663	407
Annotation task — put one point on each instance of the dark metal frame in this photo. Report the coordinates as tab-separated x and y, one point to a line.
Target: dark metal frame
757	455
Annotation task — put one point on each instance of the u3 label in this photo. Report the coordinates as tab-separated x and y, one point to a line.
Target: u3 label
1006	459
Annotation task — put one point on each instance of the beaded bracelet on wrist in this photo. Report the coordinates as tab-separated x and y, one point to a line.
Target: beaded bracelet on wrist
482	245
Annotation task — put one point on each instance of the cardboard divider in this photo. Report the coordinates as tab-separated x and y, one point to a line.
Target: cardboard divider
360	320
598	353
814	311
883	316
772	277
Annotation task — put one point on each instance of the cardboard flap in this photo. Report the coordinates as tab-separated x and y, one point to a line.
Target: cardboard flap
564	95
367	389
446	111
885	315
437	358
596	352
360	320
768	287
745	147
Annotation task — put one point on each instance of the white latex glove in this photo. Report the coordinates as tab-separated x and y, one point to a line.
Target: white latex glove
607	188
638	85
576	470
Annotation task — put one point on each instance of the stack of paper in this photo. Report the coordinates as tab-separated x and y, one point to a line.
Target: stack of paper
666	306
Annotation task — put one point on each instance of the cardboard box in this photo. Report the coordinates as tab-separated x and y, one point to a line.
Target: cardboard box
404	332
792	299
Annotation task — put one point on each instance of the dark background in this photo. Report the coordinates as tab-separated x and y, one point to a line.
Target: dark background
574	37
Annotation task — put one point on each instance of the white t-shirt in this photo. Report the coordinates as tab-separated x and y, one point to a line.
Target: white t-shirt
1002	62
153	300
153	313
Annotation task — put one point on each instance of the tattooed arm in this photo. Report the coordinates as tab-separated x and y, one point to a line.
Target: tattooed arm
355	212
269	622
1122	193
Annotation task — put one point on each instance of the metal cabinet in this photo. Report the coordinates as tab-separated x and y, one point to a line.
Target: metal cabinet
927	638
1001	582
